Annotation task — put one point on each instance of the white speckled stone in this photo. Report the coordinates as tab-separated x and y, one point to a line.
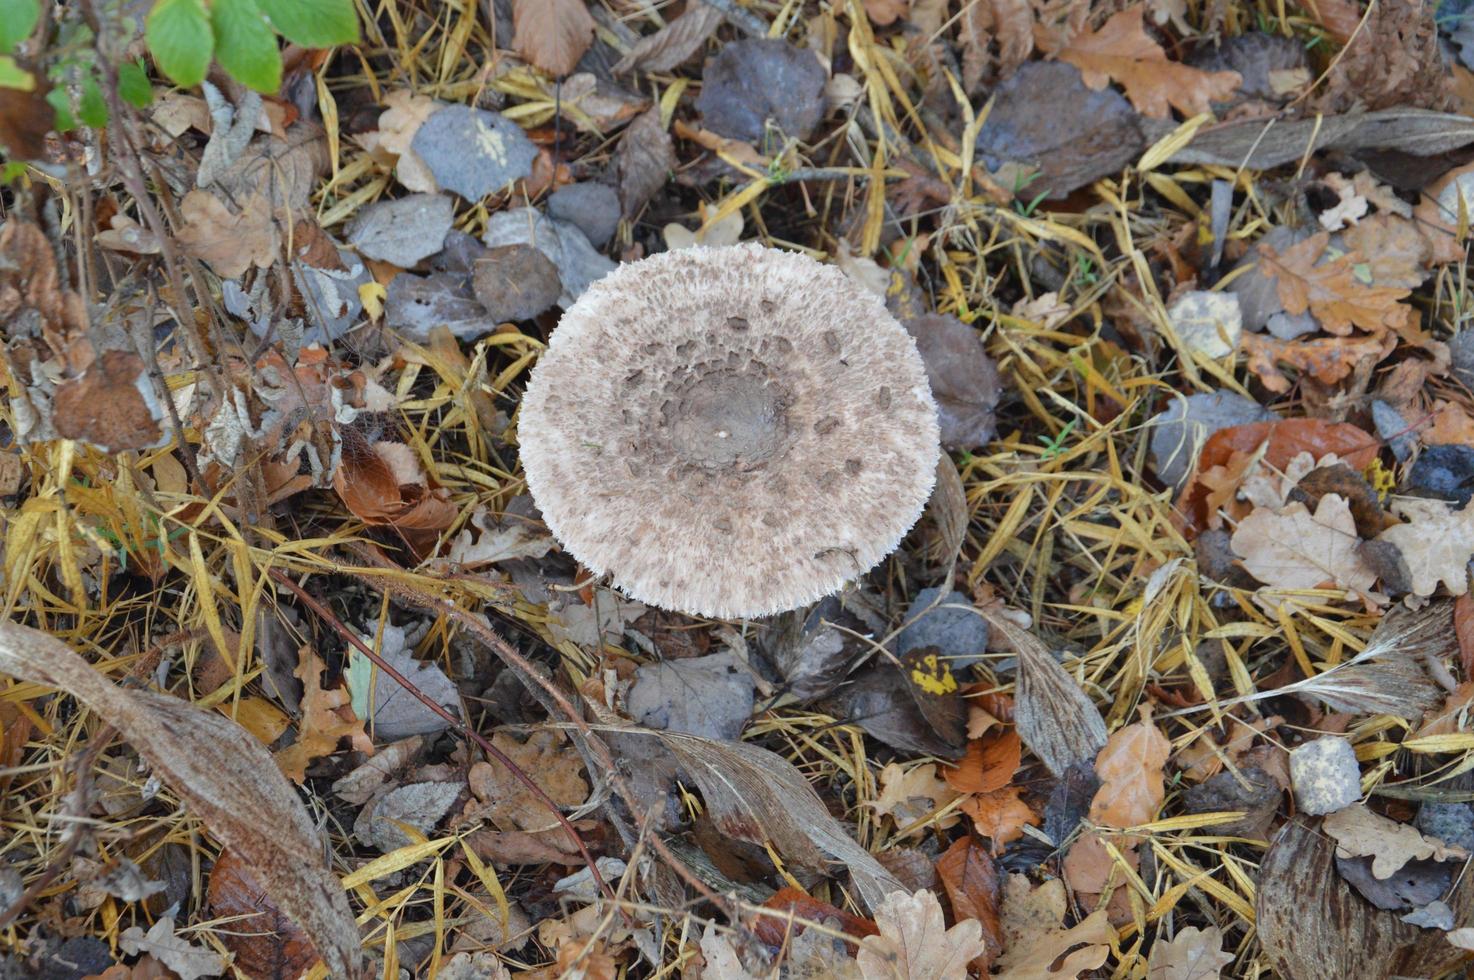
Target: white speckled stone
1325	775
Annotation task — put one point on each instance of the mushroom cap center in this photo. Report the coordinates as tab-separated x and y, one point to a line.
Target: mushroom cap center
729	418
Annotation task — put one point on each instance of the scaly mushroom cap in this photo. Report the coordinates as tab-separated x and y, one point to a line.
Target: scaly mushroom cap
729	431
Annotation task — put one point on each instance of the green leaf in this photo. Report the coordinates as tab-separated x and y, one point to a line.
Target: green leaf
17	21
178	34
57	99
313	23
92	107
11	170
133	84
13	75
244	44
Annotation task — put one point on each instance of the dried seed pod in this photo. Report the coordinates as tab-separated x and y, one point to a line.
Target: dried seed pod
729	431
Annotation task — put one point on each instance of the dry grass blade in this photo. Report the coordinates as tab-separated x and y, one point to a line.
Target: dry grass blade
758	796
1055	717
1314	928
223	773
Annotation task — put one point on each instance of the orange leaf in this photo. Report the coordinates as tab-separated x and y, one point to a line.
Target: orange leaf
773	930
1122	51
1130	770
1326	359
999	815
989	764
1330	291
974	887
327	716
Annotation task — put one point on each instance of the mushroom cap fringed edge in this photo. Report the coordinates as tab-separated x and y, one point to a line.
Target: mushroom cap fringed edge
729	432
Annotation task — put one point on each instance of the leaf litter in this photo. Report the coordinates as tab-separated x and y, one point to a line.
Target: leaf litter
1163	684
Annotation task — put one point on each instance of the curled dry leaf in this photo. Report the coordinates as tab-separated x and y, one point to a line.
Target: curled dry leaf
1055	718
385	484
1313	927
756	795
327	716
675	42
915	943
224	775
1121	50
1330	290
1036	944
1130	769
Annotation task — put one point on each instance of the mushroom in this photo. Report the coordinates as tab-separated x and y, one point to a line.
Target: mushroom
729	432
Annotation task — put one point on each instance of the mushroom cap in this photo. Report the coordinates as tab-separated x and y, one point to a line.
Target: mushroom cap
729	432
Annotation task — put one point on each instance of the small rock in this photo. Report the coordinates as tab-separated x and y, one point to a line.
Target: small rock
1446	472
1452	823
593	207
474	152
960	635
402	231
515	282
1207	322
1325	775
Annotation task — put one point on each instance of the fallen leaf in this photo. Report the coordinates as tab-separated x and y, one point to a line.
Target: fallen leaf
909	795
389	710
112	405
1192	954
229	242
1436	542
222	773
1130	769
399	122
774	930
1328	360
515	282
1036	944
391	821
326	717
1330	290
989	764
553	764
1395	252
1295	549
963	378
404	230
711	696
1121	50
175	952
384	484
1000	815
1008	24
1207	322
1359	832
552	34
264	941
643	160
678	40
974	889
760	82
915	943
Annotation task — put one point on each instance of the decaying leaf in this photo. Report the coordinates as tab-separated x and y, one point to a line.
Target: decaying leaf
1122	51
1330	290
1436	543
1130	769
177	953
963	378
1361	833
1054	716
1295	549
758	796
225	776
908	795
552	34
1036	943
975	890
265	943
327	716
1192	954
1313	927
915	943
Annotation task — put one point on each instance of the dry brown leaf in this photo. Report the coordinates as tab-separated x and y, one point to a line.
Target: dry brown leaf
1330	291
974	889
1436	543
908	795
673	43
1326	359
1294	549
885	12
1359	832
989	764
1396	253
1121	50
1008	24
1000	815
1130	770
112	405
1034	936
1192	954
507	802
229	243
915	943
327	716
224	775
552	34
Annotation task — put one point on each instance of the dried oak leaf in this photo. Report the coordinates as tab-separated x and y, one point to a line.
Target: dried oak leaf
507	802
1330	290
1036	944
1326	359
1295	549
229	242
908	795
1361	833
915	943
1121	50
327	716
552	34
1000	815
1006	24
1436	543
1192	954
974	887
